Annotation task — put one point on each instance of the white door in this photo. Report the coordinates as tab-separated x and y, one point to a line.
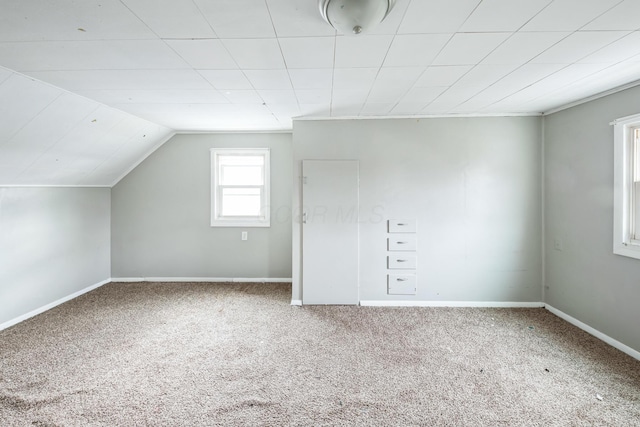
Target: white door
330	232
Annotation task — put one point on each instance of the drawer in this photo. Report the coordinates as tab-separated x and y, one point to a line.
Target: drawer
401	262
401	284
407	242
402	226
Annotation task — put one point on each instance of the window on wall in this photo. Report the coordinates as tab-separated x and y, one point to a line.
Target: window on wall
240	187
626	238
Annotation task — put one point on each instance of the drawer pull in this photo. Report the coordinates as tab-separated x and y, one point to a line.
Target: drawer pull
401	279
402	260
401	243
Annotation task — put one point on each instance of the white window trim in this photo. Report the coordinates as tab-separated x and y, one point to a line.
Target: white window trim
265	219
623	177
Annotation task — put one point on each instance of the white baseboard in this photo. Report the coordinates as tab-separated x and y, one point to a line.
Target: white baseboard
596	333
203	279
49	306
488	304
296	302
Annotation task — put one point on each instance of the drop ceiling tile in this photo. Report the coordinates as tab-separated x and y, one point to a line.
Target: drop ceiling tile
269	79
555	81
376	108
203	54
577	46
415	49
237	18
347	96
135	146
123	79
308	52
192	116
54	121
354	78
469	48
436	16
226	79
471	106
313	96
238	122
85	20
502	15
255	54
293	18
521	47
361	52
346	110
156	96
315	110
290	110
614	76
519	79
90	55
18	158
568	15
385	94
242	96
623	16
21	100
438	108
172	18
407	109
87	136
398	77
278	96
442	75
484	75
620	50
311	79
422	95
456	95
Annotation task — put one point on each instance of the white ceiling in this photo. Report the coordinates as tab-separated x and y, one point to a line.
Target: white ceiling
190	65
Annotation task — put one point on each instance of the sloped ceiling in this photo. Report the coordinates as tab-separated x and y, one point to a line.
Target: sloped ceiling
190	65
49	136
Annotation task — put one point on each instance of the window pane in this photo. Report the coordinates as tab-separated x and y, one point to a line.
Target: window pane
241	201
238	160
241	175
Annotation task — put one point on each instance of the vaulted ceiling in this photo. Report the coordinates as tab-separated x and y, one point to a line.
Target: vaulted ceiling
89	86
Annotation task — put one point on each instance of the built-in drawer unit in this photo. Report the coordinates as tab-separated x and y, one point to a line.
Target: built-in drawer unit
401	284
402	226
408	242
403	261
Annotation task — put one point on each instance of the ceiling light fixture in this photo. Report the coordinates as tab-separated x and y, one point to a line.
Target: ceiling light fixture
355	16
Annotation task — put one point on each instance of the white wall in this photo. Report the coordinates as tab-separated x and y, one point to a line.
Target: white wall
473	184
161	215
54	242
585	279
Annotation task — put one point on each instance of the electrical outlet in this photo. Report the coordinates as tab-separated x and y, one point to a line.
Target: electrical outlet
557	244
245	235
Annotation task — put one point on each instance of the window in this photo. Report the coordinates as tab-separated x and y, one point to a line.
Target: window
240	187
626	227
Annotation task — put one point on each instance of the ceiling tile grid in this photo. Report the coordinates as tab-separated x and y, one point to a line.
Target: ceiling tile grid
202	65
49	136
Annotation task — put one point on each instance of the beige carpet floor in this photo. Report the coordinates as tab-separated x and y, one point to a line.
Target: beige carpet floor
201	354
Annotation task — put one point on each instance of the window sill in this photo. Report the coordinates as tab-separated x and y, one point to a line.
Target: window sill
246	224
631	251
